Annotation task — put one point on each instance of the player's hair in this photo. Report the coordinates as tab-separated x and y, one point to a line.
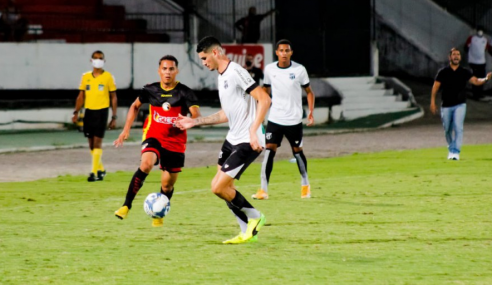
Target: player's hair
168	57
283	42
207	43
454	49
97	51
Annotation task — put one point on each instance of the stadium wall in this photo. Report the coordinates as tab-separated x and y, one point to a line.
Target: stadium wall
59	66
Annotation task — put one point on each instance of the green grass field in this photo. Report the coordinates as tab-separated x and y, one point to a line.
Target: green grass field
399	217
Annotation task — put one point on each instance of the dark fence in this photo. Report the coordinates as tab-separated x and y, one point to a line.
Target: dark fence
474	12
160	22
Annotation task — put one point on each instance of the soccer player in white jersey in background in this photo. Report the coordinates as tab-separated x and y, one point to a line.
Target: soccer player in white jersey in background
284	80
244	105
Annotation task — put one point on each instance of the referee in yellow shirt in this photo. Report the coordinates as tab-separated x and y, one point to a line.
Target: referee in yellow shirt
97	93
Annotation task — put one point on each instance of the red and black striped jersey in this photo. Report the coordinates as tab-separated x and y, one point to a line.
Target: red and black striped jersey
164	107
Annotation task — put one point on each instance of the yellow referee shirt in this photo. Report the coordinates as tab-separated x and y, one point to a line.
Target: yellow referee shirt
97	89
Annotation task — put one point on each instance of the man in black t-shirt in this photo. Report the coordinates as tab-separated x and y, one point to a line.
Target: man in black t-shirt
250	26
452	80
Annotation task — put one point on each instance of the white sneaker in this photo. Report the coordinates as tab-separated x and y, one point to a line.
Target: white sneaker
450	155
456	156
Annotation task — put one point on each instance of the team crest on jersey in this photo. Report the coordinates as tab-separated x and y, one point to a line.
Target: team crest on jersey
292	76
268	136
88	87
164	120
225	84
166	106
100	87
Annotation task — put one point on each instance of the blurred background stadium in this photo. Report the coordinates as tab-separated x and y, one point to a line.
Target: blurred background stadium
359	53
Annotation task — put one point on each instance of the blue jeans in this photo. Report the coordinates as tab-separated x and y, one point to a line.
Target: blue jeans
453	119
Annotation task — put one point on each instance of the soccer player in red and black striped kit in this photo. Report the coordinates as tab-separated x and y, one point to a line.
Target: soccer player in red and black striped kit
163	143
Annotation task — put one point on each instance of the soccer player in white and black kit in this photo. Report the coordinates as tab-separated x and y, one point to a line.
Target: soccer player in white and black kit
244	105
284	80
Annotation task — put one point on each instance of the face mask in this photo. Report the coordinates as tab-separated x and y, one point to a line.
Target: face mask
480	33
97	63
248	63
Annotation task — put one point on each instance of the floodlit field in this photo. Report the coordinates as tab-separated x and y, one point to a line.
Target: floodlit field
408	217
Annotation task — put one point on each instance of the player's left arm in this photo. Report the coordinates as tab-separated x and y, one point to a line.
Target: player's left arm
310	101
114	109
263	103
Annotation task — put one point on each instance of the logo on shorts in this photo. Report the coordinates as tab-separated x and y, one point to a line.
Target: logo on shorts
220	154
144	146
226	165
166	106
268	136
225	84
297	142
292	76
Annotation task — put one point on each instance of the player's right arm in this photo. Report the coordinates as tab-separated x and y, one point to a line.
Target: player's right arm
185	123
79	103
435	88
130	118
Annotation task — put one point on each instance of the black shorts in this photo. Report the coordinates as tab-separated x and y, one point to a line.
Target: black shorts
170	161
275	133
95	122
234	159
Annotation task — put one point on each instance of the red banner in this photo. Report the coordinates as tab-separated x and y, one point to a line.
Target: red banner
237	53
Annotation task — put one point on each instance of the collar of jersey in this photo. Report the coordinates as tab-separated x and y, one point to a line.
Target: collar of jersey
225	68
92	73
290	64
169	88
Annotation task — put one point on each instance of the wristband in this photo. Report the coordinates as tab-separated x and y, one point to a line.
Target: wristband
114	117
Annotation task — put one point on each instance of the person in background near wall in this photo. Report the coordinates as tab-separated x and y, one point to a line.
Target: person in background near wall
452	79
255	72
12	25
477	46
97	93
250	25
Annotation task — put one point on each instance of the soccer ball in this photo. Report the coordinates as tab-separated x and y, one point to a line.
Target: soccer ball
157	205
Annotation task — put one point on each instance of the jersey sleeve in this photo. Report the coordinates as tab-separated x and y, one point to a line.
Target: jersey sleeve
304	78
144	95
244	80
439	76
81	85
191	99
266	78
111	84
